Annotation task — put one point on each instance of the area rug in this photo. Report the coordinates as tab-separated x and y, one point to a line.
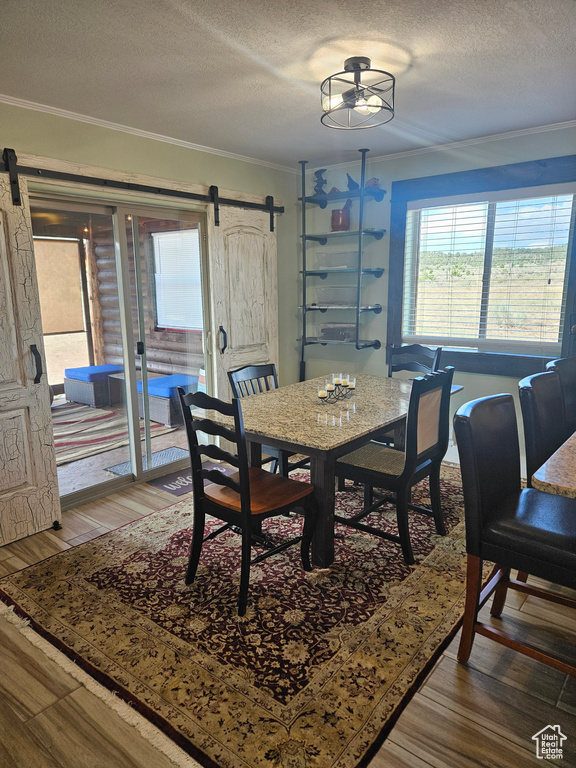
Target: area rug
316	672
81	431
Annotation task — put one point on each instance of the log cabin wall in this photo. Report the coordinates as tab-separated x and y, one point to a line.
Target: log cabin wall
167	351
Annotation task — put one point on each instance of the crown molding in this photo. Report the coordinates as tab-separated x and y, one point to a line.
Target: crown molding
15	102
464	143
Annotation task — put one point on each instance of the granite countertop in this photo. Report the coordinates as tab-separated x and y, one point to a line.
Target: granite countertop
295	414
558	474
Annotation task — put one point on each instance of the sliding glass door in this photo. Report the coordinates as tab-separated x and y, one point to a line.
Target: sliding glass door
165	285
123	304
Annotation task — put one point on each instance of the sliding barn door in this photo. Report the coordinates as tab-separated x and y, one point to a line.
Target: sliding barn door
29	500
244	292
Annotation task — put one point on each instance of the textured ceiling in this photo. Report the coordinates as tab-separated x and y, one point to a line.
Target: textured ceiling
242	76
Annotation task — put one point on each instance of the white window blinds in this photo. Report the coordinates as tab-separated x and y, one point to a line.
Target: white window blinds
178	280
488	274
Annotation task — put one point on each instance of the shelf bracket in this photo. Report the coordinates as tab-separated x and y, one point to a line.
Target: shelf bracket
10	163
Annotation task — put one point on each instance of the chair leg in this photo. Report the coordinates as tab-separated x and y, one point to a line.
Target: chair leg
435	500
283	465
309	509
402	501
522	576
368	495
473	587
340	483
500	594
245	569
195	547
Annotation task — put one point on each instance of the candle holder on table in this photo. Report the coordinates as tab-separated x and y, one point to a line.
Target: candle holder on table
338	387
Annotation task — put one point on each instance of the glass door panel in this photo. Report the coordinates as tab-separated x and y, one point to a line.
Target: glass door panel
167	309
78	284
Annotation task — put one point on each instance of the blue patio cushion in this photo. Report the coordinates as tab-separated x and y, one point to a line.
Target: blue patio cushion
165	386
92	372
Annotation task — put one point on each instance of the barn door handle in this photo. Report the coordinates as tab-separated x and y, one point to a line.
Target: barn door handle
224	339
38	361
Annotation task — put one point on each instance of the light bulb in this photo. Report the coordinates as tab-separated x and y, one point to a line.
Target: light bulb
369	106
331	102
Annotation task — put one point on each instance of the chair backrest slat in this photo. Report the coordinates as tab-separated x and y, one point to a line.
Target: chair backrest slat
413	357
216	430
218	454
253	379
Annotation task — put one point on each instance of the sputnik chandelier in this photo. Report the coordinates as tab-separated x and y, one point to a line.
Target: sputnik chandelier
358	97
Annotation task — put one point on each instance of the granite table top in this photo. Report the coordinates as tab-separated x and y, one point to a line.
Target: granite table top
558	474
294	415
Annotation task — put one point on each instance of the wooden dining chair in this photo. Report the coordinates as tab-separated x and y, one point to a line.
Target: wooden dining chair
413	357
243	499
253	380
566	369
410	357
379	466
514	528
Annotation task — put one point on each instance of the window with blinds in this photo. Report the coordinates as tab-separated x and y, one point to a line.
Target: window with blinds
178	280
488	274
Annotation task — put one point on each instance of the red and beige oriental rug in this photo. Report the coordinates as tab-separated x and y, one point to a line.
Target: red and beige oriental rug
313	676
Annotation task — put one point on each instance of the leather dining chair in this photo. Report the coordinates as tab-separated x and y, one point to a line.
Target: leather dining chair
514	528
377	465
566	369
253	380
243	499
543	416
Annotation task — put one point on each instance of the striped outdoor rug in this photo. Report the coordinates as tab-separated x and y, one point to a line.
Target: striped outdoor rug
81	431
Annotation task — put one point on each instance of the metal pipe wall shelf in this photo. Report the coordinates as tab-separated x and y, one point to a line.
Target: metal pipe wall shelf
329	197
377	308
323	238
363	344
323	273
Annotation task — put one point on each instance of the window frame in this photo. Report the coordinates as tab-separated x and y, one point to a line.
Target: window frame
536	173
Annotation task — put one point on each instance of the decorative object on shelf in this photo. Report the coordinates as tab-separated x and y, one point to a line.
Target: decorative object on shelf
341	218
334	191
358	97
320	182
352	185
373	183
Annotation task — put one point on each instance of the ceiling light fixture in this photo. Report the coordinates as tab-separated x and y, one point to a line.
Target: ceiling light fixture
359	97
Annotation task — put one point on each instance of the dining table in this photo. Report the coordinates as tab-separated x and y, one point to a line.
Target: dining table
293	418
558	474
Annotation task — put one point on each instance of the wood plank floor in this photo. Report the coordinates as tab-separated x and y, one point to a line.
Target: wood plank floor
482	714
